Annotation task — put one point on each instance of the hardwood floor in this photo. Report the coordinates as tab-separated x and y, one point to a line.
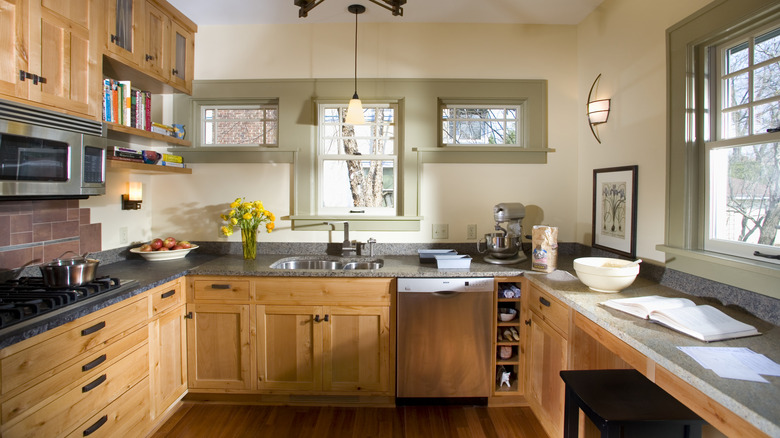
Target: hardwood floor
196	420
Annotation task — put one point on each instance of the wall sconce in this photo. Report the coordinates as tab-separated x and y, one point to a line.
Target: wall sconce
597	110
132	200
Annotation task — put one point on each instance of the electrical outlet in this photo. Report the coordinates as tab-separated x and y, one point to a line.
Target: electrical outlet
471	231
440	231
123	235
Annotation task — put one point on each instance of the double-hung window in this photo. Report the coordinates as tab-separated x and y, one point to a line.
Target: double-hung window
357	165
742	154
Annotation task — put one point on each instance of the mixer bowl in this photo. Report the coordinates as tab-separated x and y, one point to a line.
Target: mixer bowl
501	246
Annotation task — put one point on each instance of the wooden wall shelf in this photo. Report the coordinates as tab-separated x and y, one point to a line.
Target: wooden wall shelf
152	169
139	136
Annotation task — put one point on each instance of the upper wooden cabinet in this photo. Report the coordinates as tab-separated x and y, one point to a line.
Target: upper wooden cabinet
49	54
151	44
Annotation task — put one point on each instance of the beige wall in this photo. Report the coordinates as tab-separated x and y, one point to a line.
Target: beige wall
622	39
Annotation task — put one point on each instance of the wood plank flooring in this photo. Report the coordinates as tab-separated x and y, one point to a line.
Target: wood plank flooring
200	420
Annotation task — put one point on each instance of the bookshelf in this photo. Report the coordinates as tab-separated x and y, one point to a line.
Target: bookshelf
151	169
141	137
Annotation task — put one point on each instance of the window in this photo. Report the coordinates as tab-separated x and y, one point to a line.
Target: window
239	125
472	125
743	194
357	164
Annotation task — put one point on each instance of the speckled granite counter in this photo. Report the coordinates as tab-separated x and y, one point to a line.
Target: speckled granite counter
755	402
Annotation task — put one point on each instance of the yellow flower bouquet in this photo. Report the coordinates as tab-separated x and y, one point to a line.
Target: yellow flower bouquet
248	216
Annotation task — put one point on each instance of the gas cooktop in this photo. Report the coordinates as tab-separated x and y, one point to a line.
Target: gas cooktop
28	297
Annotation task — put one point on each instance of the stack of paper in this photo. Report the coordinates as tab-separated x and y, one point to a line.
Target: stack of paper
734	362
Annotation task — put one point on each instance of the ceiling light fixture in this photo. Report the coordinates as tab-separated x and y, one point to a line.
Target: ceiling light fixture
597	110
355	109
391	5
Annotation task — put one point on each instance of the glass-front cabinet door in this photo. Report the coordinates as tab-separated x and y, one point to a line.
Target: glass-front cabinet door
122	39
182	56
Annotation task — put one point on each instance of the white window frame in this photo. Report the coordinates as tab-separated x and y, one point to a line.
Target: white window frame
243	105
720	140
322	158
518	107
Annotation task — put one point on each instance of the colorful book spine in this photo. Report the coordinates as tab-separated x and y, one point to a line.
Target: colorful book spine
172	158
148	106
169	164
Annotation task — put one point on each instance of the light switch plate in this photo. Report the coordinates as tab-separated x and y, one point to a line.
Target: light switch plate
471	231
440	231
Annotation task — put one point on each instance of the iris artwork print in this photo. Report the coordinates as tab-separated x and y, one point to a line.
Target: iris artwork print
613	210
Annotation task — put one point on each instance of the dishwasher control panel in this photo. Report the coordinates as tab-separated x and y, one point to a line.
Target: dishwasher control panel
456	284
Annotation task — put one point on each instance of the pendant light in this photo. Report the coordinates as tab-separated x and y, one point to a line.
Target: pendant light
355	109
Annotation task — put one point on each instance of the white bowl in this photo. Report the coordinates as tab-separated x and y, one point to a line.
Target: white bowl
507	314
602	274
156	256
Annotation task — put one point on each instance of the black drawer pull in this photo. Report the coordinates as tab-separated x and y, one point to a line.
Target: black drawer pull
95	383
91	429
93	329
220	286
94	363
168	294
544	302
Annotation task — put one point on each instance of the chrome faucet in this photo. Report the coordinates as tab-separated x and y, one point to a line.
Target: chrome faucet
348	248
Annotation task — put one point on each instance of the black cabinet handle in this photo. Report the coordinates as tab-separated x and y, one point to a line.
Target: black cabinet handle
544	302
88	366
95	383
93	329
220	286
316	318
174	71
168	294
527	322
41	79
188	315
91	429
326	318
149	57
114	39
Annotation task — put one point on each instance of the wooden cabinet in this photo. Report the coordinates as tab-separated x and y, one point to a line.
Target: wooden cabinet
156	56
50	53
72	376
182	47
123	21
508	345
168	346
547	354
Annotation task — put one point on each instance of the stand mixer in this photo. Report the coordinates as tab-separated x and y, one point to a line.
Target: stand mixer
504	247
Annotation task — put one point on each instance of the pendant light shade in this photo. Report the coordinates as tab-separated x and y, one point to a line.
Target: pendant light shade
355	109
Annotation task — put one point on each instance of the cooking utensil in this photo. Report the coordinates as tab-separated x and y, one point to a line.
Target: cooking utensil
69	272
11	274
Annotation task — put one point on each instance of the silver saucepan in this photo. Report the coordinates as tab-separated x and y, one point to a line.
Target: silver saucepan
68	272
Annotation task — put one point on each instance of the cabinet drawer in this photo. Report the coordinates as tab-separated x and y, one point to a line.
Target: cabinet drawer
129	415
93	365
166	297
339	291
85	399
80	337
222	289
549	309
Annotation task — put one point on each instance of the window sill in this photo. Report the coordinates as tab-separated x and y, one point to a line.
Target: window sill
362	223
484	155
249	154
755	276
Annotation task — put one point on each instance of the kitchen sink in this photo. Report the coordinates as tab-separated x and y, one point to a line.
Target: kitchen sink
328	264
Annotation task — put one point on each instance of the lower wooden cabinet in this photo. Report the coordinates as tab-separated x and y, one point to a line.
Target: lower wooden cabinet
218	346
168	345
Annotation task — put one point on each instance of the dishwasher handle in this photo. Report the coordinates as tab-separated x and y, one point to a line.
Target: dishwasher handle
445	293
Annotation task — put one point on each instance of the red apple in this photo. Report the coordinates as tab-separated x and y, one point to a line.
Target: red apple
145	248
163	249
169	242
177	247
184	244
156	244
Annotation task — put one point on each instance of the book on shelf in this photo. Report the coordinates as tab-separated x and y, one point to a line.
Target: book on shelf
171	164
702	322
132	160
125	105
172	158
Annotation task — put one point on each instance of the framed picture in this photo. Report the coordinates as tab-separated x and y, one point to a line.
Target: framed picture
614	210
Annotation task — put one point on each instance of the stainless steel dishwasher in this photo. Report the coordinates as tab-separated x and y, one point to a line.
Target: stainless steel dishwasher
443	340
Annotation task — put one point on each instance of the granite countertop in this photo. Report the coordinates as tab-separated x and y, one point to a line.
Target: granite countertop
756	402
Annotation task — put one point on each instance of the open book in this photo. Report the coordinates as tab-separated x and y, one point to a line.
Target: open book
701	322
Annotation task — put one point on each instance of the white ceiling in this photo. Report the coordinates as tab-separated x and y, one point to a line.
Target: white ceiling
222	12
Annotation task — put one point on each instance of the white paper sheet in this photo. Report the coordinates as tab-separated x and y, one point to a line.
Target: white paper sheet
734	362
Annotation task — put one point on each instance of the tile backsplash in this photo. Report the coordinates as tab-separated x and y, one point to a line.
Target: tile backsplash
44	230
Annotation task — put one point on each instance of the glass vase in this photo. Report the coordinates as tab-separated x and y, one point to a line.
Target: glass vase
249	242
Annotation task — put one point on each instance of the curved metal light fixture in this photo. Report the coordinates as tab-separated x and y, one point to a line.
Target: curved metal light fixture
355	109
391	5
597	110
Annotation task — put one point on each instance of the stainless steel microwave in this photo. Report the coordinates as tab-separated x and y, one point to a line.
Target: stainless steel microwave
44	154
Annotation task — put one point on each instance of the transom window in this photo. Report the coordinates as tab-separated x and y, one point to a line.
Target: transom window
357	164
743	156
478	124
240	125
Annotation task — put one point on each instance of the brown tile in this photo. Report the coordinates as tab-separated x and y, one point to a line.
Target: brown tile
21	238
61	230
42	232
91	240
84	216
14	259
15	207
50	211
37	254
21	223
73	203
73	214
55	250
5	230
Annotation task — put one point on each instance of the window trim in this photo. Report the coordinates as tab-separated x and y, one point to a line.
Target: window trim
202	108
686	49
521	120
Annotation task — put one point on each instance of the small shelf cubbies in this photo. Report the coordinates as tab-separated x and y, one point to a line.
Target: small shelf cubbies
508	357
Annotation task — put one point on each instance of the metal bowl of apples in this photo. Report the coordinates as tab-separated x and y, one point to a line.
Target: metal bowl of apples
164	249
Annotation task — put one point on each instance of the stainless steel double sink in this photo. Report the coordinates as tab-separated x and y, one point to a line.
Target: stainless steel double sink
327	264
